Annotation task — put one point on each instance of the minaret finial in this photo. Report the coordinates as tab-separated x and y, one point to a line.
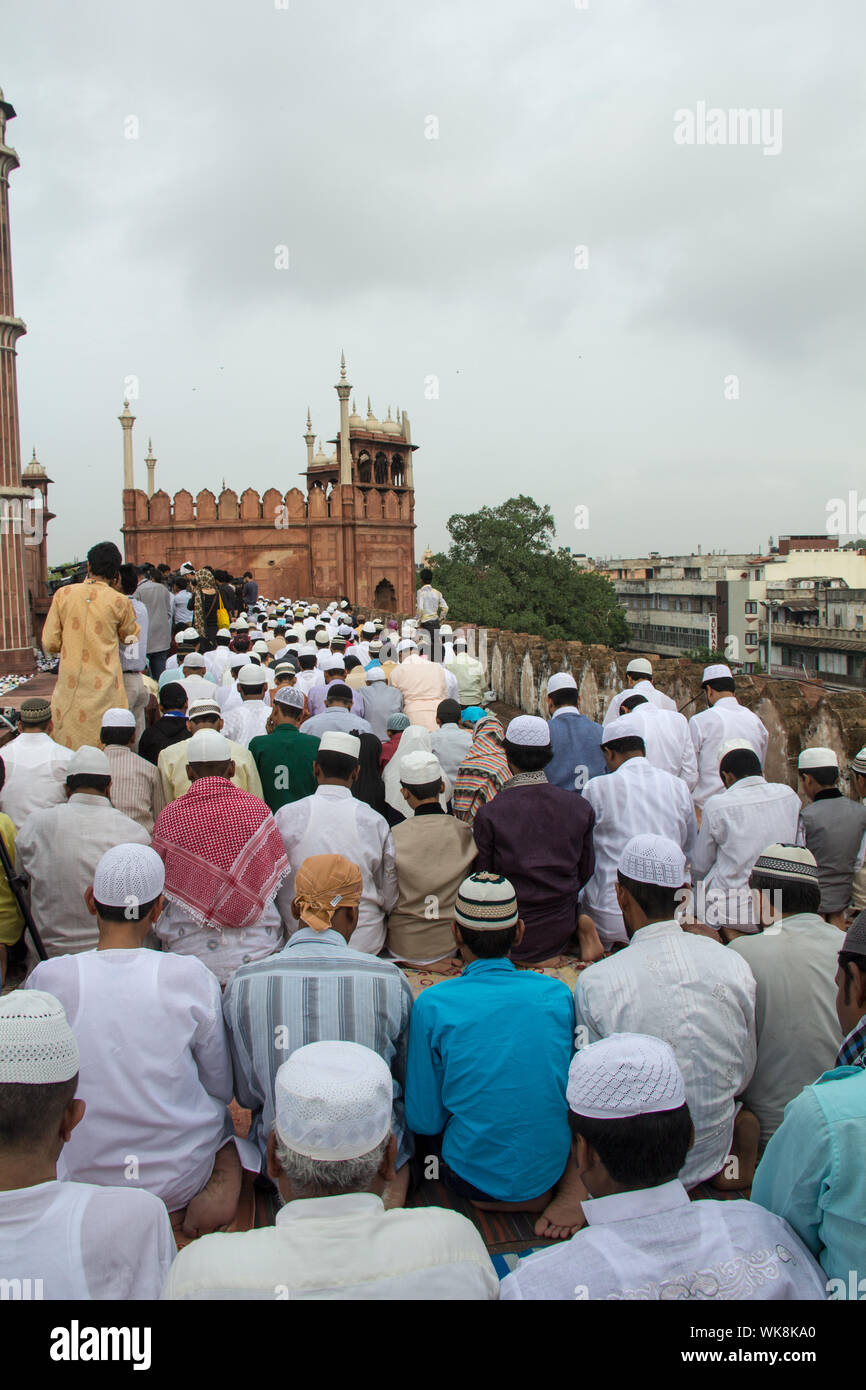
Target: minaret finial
342	366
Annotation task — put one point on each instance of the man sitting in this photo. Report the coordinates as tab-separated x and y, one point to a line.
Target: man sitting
540	838
631	1130
488	1061
205	714
574	739
451	742
223	865
434	854
338	715
35	764
136	786
812	1170
60	847
63	1240
319	986
835	830
331	1153
124	1003
285	756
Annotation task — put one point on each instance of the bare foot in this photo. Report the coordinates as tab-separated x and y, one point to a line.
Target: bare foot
216	1204
563	1216
591	948
450	965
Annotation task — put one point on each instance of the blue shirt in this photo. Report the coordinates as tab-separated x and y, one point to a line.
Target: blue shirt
488	1063
812	1173
577	755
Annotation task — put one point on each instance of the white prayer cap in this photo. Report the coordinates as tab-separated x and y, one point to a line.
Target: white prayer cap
37	1045
321	638
306	650
189	634
251	675
238	660
624	726
314	608
653	859
87	759
419	769
333	1101
792	862
486	902
343	603
368	629
187	568
208	746
731	745
223	632
623	1075
817	757
195	661
270	623
374	645
446	630
334	661
241	623
128	875
261	648
118	719
335	742
639	667
289	695
375	673
562	680
344	630
201	709
716	673
528	731
406	645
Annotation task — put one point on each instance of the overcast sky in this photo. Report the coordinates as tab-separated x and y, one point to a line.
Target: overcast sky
306	126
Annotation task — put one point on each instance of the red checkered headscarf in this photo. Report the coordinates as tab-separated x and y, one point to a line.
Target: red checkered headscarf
223	854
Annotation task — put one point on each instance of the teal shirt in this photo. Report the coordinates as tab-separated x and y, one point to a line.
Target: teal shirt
285	763
813	1173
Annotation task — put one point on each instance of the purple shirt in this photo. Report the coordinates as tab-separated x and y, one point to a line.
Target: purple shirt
317	696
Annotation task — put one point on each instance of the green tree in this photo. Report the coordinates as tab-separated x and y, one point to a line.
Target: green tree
502	571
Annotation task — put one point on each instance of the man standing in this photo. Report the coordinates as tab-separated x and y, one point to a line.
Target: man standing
430	606
334	821
575	740
835	830
737	823
685	988
421	683
85	623
284	756
35	764
136	786
59	848
251	591
666	735
468	672
171	726
539	837
333	668
639	678
251	719
157	600
380	701
451	742
858	776
635	800
725	719
133	659
793	959
338	715
204	714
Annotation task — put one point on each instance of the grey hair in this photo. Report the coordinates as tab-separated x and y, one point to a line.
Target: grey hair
327	1177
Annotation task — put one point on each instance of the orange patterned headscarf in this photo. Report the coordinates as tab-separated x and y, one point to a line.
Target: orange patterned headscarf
324	883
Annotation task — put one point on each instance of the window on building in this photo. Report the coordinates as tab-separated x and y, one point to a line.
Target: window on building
751	606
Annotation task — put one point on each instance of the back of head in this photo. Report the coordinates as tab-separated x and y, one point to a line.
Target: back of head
104	560
426	576
338	755
631	702
38	1070
652	870
527	743
448	712
740	763
128	579
127	882
486	914
786	876
172	696
339	694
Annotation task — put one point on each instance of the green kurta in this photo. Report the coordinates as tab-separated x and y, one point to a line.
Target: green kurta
285	762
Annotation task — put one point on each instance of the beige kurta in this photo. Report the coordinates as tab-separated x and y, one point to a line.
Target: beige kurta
84	624
422	685
434	854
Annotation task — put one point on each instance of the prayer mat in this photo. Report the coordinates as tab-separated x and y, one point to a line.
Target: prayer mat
503	1232
257	1207
420	979
705	1191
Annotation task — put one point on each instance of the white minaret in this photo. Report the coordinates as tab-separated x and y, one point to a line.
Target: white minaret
151	467
344	390
310	439
126	423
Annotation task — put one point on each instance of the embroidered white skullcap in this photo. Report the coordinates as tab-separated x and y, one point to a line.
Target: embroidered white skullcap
128	874
375	673
625	1074
639	667
793	862
731	745
716	673
223	632
528	731
817	757
407	645
486	902
251	675
208	746
624	726
858	762
37	1045
87	759
335	742
118	719
561	680
334	661
419	769
289	695
653	859
374	646
855	937
195	661
189	634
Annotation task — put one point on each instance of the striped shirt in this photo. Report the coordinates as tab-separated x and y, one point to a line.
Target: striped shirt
316	989
136	786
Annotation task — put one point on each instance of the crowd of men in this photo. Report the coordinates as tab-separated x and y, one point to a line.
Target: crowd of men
269	856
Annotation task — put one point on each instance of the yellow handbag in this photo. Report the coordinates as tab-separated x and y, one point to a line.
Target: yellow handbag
222	614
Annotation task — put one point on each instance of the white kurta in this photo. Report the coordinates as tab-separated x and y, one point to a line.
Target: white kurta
60	848
699	997
710	729
644	687
637	799
668	741
333	821
346	1248
653	1243
223	952
77	1241
35	775
246	721
155	1073
305	680
736	826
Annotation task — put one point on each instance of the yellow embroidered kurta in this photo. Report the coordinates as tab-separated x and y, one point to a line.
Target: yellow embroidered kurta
85	623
